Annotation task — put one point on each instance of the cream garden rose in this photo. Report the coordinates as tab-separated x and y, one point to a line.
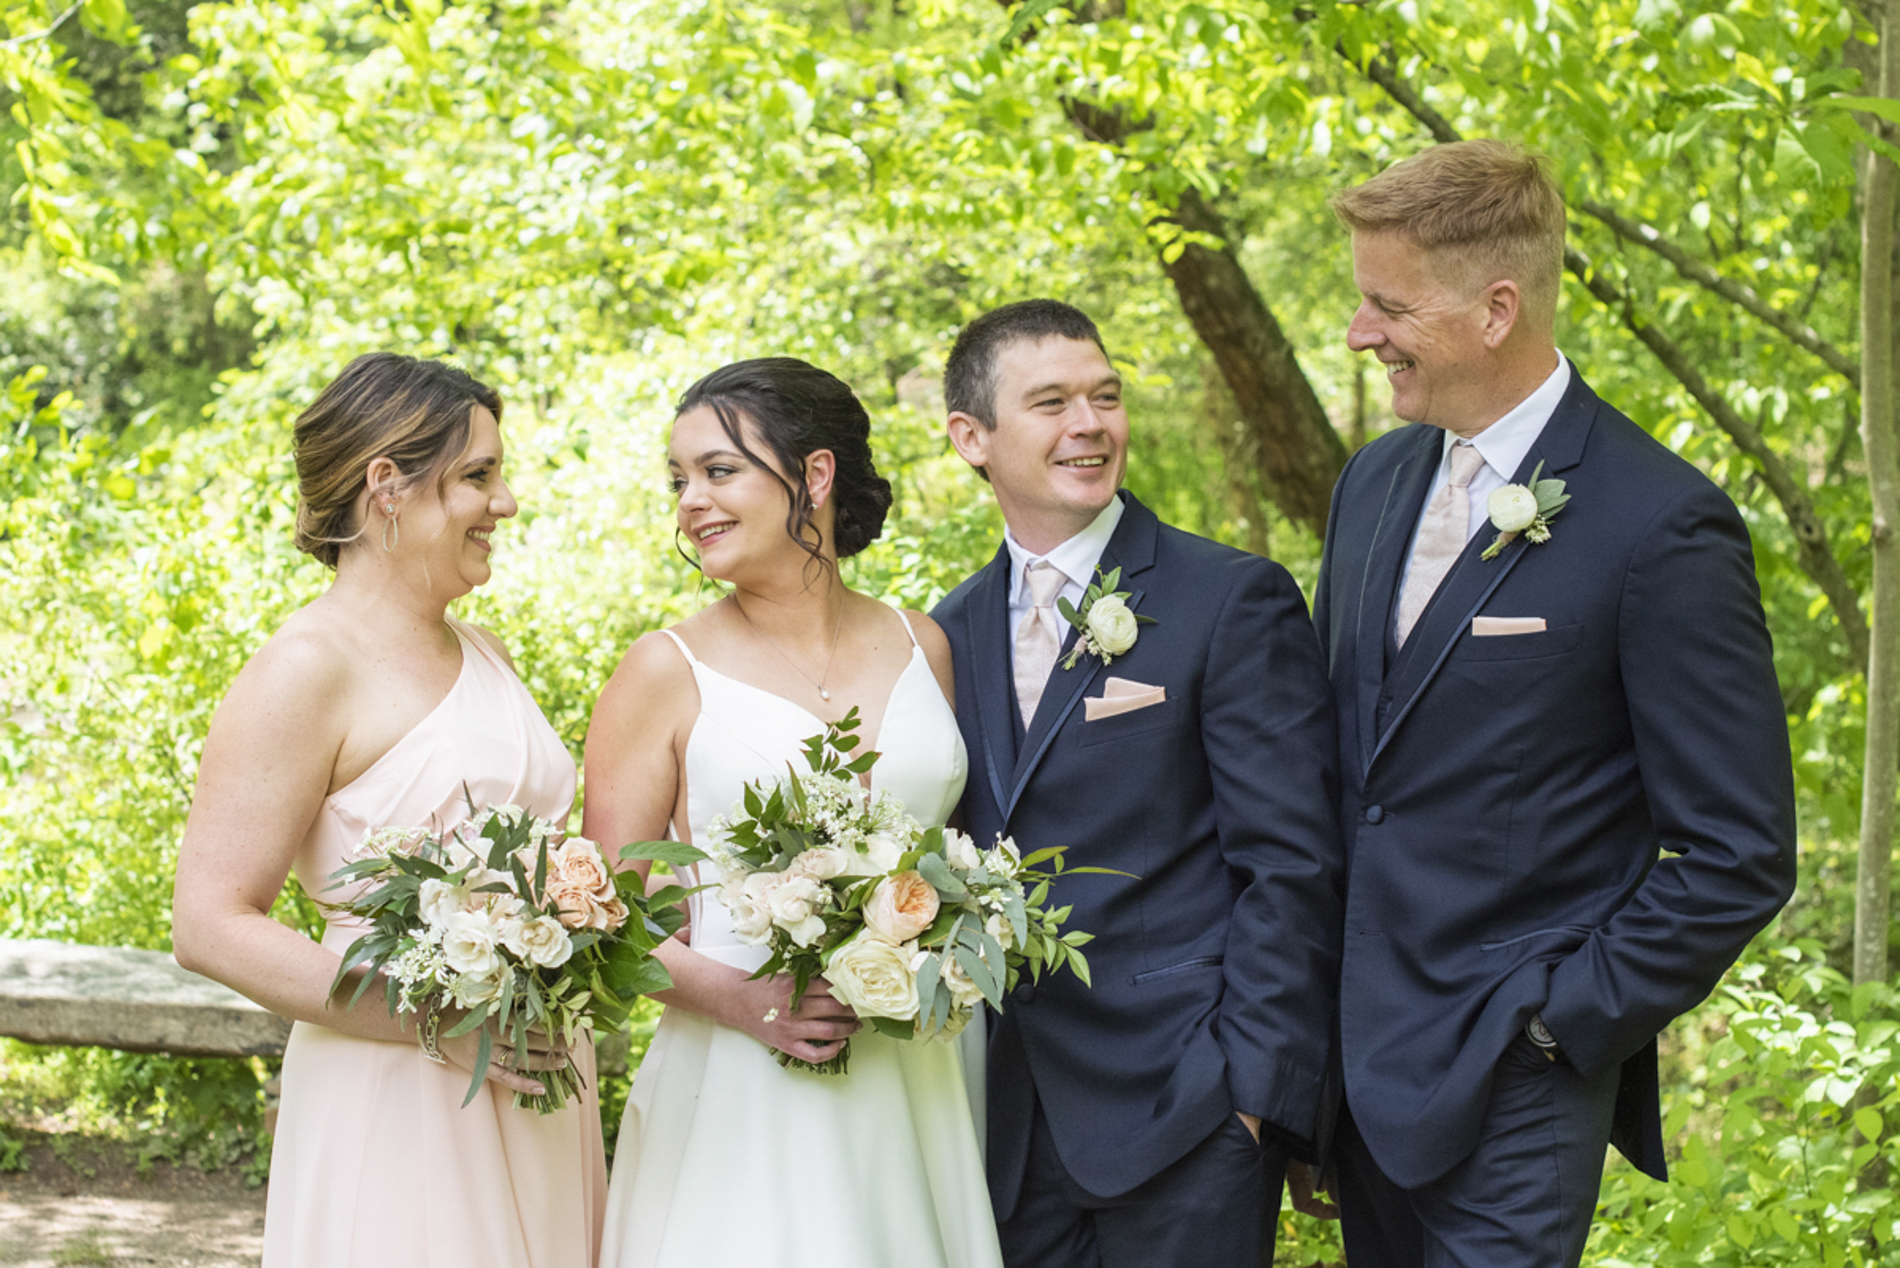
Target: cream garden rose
901	907
468	942
794	902
540	941
1112	626
1513	508
874	978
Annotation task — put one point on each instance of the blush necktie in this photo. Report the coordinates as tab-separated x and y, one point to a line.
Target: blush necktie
1441	537
1037	640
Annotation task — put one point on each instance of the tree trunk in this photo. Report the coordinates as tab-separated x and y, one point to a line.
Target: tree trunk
1300	453
1880	438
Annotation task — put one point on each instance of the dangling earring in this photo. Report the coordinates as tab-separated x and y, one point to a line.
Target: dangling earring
392	531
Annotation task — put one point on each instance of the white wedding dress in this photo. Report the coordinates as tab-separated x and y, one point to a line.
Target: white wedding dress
727	1159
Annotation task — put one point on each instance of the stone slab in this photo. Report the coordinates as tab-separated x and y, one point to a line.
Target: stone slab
133	1000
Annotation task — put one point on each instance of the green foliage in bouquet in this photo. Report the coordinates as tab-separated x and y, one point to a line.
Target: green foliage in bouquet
980	895
606	964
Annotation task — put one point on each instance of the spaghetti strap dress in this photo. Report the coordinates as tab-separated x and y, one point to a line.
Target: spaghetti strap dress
375	1161
726	1159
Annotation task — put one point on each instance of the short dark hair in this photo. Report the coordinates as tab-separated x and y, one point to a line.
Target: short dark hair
969	376
384	405
798	409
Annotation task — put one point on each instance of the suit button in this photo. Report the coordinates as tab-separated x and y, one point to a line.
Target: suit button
1024	992
1375	814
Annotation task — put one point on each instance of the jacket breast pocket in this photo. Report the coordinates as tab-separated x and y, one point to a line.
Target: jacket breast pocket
1551	642
1121	726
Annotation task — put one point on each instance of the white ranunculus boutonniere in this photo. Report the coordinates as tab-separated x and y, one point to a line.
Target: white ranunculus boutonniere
1527	510
1106	625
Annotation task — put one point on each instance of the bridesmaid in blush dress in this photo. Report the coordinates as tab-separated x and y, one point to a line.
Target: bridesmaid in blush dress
373	708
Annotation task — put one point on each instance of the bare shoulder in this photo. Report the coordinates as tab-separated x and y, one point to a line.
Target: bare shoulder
652	681
936	647
493	640
304	667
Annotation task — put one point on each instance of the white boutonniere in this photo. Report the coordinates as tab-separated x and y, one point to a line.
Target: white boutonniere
1105	624
1517	509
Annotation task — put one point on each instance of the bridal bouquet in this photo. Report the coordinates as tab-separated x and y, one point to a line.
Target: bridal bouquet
912	926
507	919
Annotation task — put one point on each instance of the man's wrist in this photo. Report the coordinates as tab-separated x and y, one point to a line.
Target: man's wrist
1539	1034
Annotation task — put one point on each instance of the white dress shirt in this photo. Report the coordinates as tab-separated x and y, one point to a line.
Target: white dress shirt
1075	559
1502	445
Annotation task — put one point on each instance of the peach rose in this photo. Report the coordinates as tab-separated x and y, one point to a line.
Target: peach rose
901	907
579	908
579	863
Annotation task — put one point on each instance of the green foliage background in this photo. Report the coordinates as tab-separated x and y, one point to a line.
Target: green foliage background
215	206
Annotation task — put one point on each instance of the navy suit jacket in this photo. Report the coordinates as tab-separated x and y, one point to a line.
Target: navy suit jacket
1215	962
1506	797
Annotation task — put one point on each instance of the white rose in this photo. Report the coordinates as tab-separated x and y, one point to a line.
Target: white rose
874	978
1513	508
794	902
963	991
751	922
820	864
541	941
1112	626
468	943
961	851
439	900
1000	929
472	990
883	850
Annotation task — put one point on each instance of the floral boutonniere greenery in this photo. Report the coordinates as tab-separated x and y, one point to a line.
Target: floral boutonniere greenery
1516	509
1106	625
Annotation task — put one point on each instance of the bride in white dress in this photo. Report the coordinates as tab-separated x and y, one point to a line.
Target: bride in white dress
725	1157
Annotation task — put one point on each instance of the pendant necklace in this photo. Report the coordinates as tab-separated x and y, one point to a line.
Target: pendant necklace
819	682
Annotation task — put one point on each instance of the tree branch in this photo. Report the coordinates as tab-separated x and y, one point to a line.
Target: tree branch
1817	558
32	36
1797	331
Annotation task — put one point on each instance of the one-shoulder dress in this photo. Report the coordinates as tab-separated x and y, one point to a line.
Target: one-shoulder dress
727	1160
375	1161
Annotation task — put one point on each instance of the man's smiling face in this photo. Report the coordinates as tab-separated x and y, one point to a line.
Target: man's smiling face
1429	335
1060	445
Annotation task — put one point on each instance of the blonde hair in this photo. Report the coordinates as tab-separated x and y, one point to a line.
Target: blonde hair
415	413
1484	211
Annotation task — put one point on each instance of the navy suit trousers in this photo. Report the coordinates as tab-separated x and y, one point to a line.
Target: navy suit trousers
1523	1199
1216	1206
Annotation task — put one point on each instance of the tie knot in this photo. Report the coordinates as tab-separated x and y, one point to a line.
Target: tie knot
1045	582
1465	462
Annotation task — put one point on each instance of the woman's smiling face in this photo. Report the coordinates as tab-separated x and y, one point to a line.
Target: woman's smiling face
732	509
451	531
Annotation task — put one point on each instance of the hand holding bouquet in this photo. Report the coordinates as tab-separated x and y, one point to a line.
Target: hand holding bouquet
912	926
521	929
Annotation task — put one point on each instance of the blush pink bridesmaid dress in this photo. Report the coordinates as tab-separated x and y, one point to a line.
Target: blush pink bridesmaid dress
376	1162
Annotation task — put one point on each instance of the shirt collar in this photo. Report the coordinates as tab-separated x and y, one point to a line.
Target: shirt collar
1504	443
1076	558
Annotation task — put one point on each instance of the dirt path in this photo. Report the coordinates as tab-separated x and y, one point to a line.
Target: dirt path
90	1207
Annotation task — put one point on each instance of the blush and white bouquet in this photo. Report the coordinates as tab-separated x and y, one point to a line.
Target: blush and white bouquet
505	918
912	926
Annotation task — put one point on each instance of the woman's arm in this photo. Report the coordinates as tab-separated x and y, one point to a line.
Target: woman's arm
636	741
266	769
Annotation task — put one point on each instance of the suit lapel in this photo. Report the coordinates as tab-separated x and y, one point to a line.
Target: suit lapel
1132	549
1391	542
1472	580
988	615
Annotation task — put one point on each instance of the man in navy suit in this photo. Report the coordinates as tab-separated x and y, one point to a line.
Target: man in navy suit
1146	1120
1531	711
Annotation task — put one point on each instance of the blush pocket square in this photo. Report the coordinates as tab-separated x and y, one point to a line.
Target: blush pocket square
1121	695
1484	626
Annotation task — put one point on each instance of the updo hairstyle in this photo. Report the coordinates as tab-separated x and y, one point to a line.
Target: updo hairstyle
384	405
797	409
